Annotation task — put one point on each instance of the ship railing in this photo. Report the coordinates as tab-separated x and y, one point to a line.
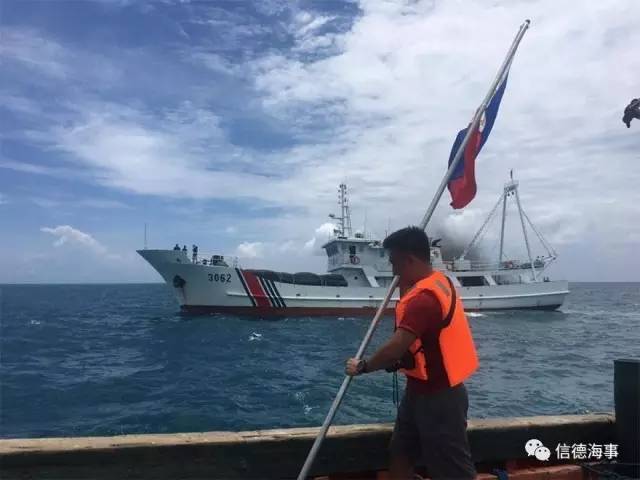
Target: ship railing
509	266
218	259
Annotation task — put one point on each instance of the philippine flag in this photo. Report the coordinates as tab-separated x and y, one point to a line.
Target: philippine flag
462	184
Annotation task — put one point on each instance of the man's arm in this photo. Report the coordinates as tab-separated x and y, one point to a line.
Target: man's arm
422	315
386	356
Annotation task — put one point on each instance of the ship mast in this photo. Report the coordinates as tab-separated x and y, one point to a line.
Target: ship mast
524	232
511	190
345	229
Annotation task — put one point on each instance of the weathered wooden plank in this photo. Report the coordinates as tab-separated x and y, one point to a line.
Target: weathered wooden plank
271	453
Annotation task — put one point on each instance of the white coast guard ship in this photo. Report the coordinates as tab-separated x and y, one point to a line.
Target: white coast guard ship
358	274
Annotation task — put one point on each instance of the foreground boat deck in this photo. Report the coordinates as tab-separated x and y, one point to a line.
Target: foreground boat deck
352	451
348	452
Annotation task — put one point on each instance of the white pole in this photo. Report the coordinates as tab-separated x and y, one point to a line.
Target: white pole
526	238
505	194
365	223
394	283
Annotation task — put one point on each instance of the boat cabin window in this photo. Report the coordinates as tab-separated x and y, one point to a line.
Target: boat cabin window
302	278
332	250
352	249
472	281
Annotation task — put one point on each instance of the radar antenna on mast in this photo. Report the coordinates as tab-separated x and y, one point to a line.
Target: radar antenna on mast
344	229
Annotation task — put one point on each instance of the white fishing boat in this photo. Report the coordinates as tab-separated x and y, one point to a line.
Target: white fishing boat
358	275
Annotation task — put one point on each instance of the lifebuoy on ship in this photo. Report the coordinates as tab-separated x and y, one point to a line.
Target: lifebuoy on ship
355	259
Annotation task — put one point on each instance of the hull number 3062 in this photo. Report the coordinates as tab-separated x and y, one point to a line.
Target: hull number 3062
220	277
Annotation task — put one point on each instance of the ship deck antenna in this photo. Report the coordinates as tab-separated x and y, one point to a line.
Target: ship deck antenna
345	229
347	211
341	231
343	208
365	224
306	467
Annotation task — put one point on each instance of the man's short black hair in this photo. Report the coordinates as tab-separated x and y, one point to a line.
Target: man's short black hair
411	240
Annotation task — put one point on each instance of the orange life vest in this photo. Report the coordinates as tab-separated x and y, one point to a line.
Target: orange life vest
459	354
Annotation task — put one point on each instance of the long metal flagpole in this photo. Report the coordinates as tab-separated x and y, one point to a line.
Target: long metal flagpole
423	224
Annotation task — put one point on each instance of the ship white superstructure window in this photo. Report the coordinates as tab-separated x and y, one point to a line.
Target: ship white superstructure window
472	281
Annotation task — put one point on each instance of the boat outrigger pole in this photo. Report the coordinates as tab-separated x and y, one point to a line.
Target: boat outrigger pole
423	224
526	237
504	218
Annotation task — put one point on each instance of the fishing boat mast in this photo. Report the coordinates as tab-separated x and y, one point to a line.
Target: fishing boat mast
511	190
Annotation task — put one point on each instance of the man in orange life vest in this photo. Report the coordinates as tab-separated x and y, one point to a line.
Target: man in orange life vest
432	345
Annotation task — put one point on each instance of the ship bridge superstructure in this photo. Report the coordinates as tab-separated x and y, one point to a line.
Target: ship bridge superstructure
359	258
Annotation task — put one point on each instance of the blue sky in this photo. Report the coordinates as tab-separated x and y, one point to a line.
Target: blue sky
230	125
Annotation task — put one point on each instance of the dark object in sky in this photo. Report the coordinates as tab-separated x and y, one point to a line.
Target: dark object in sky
632	111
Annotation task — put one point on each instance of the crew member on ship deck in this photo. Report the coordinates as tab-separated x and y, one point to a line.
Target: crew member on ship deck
433	346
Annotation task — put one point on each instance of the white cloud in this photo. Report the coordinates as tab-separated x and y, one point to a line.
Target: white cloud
39	53
462	223
305	27
408	77
27	167
284	253
70	202
67	235
380	109
19	104
99	203
52	61
250	250
45	202
182	154
287	247
321	235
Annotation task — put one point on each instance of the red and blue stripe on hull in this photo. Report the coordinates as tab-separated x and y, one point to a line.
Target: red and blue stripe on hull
262	292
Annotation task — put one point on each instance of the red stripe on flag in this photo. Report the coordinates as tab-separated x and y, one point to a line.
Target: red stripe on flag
256	290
